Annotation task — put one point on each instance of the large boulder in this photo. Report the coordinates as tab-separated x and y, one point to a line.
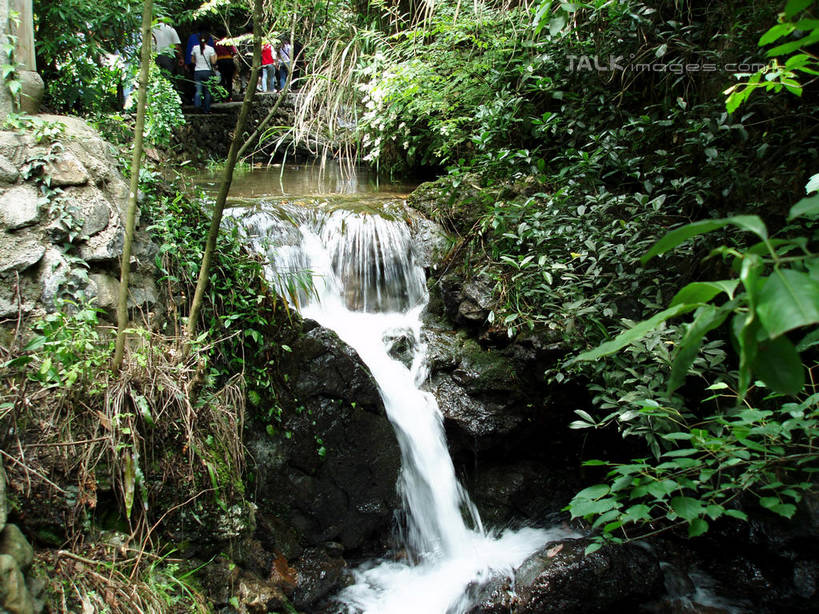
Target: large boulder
329	470
561	579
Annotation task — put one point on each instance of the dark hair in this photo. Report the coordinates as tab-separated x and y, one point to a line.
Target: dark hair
203	38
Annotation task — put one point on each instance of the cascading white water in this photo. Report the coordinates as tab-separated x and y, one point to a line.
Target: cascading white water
368	289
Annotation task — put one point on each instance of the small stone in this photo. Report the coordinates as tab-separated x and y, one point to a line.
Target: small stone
19	207
19	253
15	544
14	596
67	170
8	171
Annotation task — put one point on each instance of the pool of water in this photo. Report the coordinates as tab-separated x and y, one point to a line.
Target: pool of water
294	182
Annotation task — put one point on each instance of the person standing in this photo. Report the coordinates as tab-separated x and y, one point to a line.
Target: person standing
285	53
193	42
204	58
224	61
168	48
268	68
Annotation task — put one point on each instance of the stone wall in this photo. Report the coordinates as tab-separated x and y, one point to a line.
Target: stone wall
208	136
17	593
62	221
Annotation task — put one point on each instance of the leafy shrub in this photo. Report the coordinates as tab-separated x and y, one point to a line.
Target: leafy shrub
757	445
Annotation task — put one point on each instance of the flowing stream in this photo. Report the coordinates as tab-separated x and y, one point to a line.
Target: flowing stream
369	289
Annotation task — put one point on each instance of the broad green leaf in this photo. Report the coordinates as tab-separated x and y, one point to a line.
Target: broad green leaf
676	436
682	452
777	363
638	331
637	512
775	505
38	342
775	33
813	184
704	291
697	527
707	319
746	326
686	508
808	341
593	492
807	207
792	7
789	299
585	507
736	514
663	488
749	223
593	547
787	48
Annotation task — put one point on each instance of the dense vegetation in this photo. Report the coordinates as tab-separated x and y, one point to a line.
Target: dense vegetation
570	139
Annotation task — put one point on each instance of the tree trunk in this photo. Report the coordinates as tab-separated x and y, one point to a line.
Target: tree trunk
227	175
136	160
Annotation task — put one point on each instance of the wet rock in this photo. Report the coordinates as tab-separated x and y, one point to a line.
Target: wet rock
318	574
19	207
8	171
14	595
67	170
325	366
430	239
467	303
331	467
15	544
401	346
477	420
259	597
507	491
561	579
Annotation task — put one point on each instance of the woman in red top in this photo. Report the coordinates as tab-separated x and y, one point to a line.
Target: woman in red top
268	68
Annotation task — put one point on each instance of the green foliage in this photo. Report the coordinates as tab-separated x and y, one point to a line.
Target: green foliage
794	35
74	40
427	109
67	349
760	446
241	315
163	114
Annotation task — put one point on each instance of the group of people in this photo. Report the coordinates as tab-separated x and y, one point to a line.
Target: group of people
205	57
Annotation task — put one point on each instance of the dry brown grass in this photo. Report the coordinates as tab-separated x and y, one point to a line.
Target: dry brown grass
147	443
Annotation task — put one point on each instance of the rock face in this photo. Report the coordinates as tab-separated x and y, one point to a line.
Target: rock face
16	556
329	474
62	211
561	579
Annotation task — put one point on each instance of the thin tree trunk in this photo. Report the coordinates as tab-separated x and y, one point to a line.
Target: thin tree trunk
227	175
136	160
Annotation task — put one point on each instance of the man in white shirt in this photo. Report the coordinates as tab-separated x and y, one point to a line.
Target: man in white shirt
168	48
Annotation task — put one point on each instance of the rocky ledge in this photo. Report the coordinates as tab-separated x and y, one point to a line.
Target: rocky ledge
62	221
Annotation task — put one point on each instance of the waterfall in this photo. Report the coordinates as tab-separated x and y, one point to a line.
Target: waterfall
369	289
